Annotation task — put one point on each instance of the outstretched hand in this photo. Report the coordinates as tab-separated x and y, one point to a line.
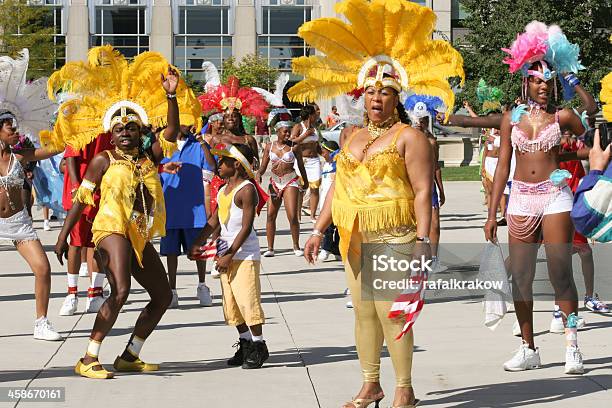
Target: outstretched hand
170	81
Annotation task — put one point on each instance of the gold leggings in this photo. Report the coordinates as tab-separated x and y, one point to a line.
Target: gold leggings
372	326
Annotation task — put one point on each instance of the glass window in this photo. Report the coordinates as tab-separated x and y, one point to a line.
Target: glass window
202	35
278	42
285	20
123	27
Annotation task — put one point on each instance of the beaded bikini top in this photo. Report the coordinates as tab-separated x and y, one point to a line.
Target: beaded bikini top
15	175
547	138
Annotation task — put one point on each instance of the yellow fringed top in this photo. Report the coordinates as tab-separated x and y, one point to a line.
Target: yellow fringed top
119	189
377	193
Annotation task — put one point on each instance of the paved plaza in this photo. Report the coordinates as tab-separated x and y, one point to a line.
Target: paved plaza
313	362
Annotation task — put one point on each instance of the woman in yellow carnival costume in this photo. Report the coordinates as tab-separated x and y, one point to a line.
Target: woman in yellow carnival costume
382	191
122	98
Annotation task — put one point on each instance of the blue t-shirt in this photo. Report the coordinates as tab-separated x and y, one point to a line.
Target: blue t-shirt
184	191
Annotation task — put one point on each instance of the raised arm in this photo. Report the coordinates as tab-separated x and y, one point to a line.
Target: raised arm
169	84
588	102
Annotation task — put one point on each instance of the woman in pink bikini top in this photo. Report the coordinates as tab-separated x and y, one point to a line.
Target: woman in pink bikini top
540	200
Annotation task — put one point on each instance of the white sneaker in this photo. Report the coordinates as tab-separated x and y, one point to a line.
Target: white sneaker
298	252
573	360
269	253
323	255
94	304
516	329
204	295
349	304
214	273
174	304
43	330
83	272
69	307
524	359
46	225
556	324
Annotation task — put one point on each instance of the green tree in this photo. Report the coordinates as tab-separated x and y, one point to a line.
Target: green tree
31	27
494	24
252	70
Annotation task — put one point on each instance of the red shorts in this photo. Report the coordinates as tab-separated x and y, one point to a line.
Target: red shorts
81	235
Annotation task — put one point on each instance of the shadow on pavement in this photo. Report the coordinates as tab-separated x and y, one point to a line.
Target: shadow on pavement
519	393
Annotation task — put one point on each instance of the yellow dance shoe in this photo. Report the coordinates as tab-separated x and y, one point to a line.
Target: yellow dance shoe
87	370
134	366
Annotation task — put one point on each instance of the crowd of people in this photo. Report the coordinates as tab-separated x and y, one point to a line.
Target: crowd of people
138	164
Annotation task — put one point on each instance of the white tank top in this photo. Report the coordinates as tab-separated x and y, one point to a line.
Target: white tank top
231	224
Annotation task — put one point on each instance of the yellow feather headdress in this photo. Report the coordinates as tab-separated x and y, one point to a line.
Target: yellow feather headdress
390	37
106	86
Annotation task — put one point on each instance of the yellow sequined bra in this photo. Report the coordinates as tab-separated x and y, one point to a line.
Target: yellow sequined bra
120	186
376	192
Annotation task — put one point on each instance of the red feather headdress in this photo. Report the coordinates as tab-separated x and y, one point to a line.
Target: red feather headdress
230	96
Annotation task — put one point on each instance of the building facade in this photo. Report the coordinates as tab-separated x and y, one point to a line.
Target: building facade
188	32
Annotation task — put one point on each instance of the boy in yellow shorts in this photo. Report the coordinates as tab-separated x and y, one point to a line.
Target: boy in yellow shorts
239	264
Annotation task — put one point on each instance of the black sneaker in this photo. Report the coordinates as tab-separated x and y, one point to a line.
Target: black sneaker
243	347
256	356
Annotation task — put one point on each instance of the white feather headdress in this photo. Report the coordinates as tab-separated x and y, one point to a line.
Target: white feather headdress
28	102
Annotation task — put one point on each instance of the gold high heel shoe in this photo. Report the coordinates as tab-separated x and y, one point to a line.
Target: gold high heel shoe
365	402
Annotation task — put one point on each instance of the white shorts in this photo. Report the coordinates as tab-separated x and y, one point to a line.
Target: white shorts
17	228
563	202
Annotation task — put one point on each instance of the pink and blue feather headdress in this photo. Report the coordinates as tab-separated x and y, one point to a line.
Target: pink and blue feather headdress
549	46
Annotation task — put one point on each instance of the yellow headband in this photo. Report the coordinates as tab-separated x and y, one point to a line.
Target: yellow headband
232	152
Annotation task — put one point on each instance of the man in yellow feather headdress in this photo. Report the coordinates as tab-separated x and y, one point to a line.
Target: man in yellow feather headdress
383	188
122	98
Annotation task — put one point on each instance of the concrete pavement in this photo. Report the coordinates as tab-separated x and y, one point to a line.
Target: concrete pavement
313	362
